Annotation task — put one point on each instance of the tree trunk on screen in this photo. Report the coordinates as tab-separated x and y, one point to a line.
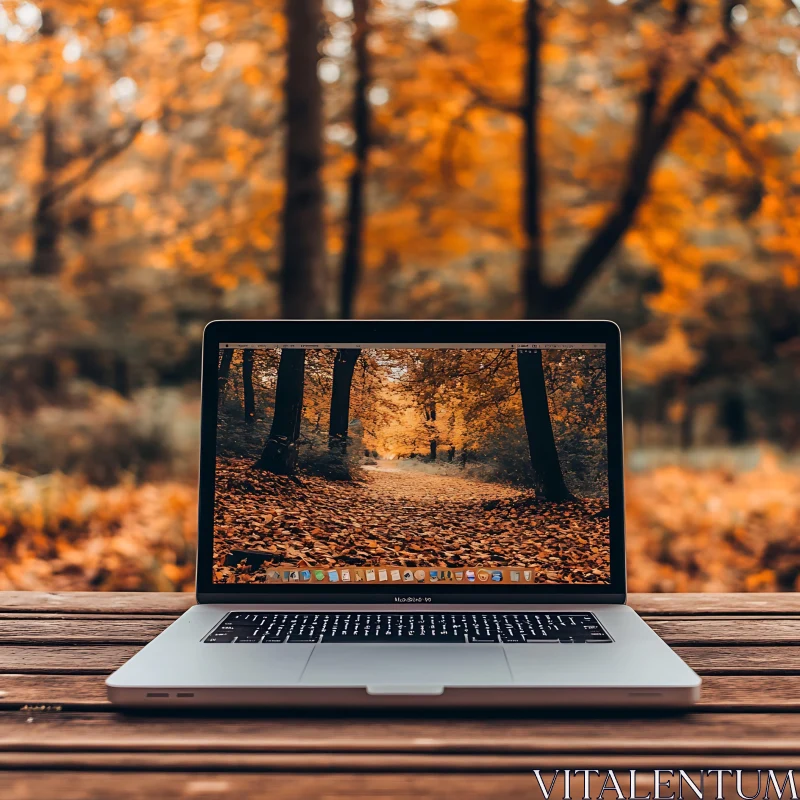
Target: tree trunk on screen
47	222
280	452
549	479
224	372
303	255
431	415
354	238
343	367
247	386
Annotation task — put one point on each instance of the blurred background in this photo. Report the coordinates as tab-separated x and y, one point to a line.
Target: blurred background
168	162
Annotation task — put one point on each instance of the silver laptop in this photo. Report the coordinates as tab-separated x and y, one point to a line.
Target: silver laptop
397	513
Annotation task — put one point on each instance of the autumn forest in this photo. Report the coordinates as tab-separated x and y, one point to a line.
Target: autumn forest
168	162
414	457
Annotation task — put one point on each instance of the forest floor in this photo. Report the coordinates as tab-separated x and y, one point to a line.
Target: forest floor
403	517
703	529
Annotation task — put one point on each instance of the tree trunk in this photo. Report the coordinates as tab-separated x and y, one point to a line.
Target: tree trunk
451	454
687	427
432	417
733	416
247	383
549	479
343	367
121	376
354	237
280	452
47	222
224	372
303	255
532	266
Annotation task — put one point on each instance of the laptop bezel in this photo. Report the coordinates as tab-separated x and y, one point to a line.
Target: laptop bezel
373	334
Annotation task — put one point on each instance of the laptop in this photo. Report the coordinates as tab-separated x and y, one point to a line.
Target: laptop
396	513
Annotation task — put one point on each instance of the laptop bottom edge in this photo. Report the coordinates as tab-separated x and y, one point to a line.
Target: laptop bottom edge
404	697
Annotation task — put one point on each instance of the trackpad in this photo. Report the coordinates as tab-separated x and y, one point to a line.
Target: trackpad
427	665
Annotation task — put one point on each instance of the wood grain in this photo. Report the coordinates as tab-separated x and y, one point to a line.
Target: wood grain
775	660
716	630
693	604
55	651
84	660
60	628
523	734
283	785
102	659
280	786
173	603
384	763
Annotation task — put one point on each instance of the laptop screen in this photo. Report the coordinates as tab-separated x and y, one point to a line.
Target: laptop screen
350	463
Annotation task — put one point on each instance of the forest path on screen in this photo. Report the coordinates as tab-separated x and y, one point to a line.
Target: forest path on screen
398	514
422	489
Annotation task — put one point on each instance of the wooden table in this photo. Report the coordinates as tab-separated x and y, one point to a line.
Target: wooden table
61	739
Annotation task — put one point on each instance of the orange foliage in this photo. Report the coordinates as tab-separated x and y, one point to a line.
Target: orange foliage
59	535
717	530
688	530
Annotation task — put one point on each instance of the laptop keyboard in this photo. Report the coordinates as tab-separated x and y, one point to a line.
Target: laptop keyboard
243	627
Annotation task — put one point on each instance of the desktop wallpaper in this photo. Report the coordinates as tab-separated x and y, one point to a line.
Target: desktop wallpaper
437	458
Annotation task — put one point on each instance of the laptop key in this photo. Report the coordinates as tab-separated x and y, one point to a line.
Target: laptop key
220	638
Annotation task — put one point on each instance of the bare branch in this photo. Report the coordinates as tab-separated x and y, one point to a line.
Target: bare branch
480	95
116	146
484	98
719	122
459	123
648	146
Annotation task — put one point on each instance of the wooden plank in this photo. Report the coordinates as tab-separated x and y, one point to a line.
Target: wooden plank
279	786
735	660
713	630
174	603
100	659
694	604
60	629
529	734
64	691
86	660
750	692
56	629
478	785
390	763
720	692
722	660
167	603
